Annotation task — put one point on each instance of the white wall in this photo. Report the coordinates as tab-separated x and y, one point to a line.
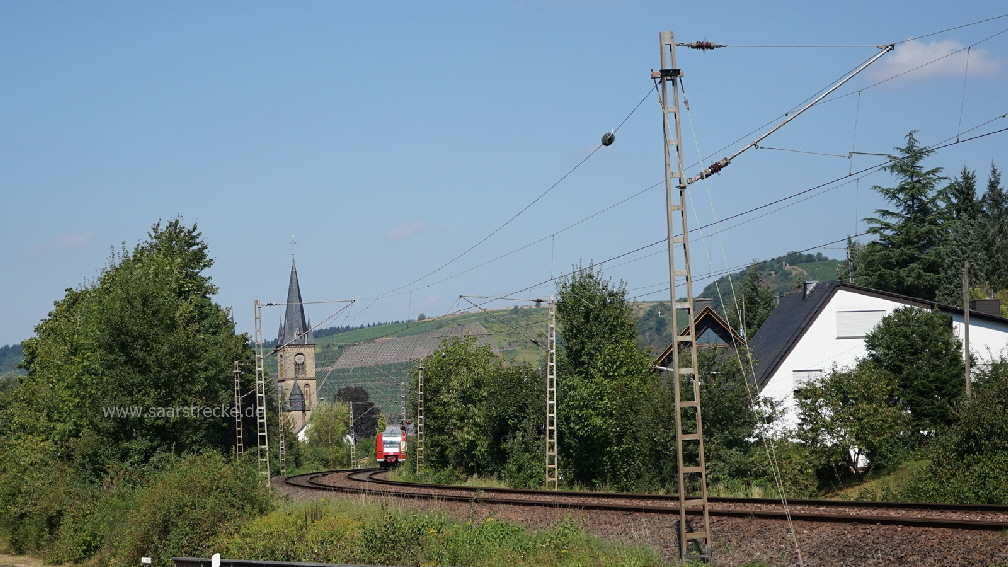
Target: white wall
820	349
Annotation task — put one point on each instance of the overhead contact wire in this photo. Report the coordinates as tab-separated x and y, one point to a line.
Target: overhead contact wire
519	213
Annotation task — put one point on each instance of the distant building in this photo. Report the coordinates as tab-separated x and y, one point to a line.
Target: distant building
824	324
296	359
711	330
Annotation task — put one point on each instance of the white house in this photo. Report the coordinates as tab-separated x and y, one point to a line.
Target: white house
824	324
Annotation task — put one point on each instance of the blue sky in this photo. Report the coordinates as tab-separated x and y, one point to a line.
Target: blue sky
389	138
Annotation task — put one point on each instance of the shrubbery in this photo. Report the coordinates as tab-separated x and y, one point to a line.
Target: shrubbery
170	507
969	460
353	533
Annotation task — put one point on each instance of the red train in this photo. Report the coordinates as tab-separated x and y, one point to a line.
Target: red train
390	446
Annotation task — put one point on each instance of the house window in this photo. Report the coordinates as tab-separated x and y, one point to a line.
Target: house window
307	397
800	378
299	365
857	324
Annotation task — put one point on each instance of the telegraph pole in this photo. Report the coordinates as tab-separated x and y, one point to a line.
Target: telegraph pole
675	205
262	439
420	421
552	473
239	445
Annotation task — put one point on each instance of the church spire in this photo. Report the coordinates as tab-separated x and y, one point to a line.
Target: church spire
295	323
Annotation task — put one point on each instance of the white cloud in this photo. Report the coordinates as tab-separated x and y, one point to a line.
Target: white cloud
67	242
947	63
406	230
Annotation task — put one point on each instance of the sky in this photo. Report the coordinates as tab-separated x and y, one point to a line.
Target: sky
397	150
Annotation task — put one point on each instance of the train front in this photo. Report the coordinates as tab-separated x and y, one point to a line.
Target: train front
390	446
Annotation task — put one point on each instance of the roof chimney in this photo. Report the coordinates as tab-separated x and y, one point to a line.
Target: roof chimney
699	303
807	288
986	306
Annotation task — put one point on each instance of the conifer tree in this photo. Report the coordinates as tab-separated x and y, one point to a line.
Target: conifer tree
907	256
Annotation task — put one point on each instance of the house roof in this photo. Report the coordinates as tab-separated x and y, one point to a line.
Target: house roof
796	312
707	319
295	328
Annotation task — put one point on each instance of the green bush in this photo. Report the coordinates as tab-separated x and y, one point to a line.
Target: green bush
970	459
358	533
186	502
170	507
35	493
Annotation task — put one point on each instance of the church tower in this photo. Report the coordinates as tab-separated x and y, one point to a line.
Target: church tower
296	359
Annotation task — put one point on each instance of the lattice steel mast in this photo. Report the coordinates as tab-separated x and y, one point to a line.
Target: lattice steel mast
239	443
353	439
552	473
281	421
262	439
675	204
420	421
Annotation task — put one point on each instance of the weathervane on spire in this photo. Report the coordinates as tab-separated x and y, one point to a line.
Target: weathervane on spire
292	243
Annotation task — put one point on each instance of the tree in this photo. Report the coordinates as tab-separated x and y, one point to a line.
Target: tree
994	229
850	267
482	416
754	306
848	419
327	447
591	314
964	240
603	372
602	445
906	257
145	334
365	411
968	461
920	349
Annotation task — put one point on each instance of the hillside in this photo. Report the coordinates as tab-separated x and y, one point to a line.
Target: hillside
782	274
10	357
381	357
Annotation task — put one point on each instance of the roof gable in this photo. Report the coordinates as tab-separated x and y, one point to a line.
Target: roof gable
706	322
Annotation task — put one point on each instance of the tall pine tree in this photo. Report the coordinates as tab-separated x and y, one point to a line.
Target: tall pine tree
907	258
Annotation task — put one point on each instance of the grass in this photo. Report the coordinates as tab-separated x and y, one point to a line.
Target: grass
880	483
385	532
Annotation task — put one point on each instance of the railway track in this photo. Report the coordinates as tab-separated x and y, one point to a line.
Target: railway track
949	516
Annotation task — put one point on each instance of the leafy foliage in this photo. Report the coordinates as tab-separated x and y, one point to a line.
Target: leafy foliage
79	482
755	304
326	448
591	314
351	532
602	440
481	416
848	420
145	334
969	461
906	257
921	351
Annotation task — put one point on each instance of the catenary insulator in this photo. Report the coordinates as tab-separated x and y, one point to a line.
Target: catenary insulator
701	45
